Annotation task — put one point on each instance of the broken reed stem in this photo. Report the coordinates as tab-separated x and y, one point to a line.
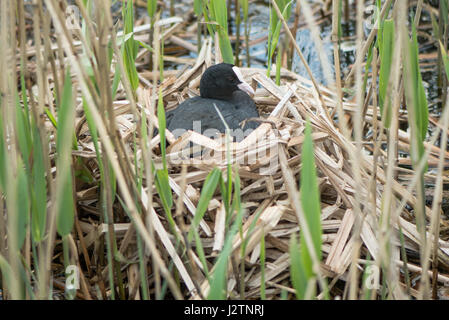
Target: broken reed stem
335	38
24	73
247	47
376	142
418	12
436	209
107	109
356	166
7	89
237	34
148	168
45	248
387	218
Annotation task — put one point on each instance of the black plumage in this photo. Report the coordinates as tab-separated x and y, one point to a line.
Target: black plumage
221	85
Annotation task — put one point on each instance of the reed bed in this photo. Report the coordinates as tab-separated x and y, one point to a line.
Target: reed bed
313	204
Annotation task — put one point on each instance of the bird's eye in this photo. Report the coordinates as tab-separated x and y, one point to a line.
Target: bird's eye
230	79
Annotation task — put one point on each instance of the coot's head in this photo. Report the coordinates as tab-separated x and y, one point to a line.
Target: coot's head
221	80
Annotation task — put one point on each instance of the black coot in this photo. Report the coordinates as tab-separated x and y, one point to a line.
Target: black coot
223	85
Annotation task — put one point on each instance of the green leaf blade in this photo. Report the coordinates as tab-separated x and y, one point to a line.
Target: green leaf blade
65	201
207	193
309	192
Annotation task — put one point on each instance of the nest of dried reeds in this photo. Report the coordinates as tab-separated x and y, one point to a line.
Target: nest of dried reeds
268	162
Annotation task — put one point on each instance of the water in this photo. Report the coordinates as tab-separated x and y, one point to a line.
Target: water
311	54
259	15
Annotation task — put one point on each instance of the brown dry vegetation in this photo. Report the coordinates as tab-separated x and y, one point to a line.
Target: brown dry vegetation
371	200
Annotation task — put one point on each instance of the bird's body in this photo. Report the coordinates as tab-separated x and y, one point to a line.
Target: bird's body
221	86
199	114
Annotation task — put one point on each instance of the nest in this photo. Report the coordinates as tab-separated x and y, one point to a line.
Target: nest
268	162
